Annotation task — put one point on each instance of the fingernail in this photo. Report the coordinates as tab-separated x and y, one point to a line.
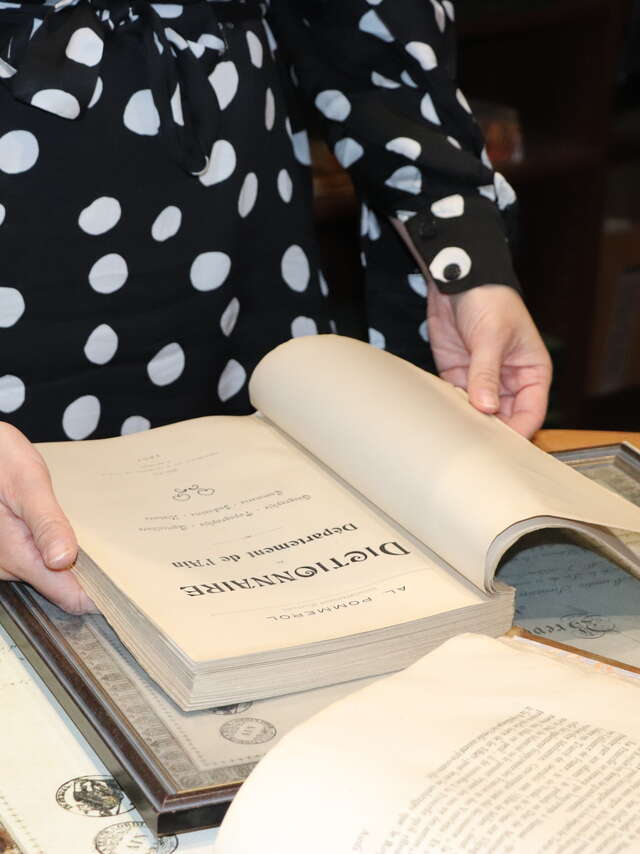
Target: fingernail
488	401
60	558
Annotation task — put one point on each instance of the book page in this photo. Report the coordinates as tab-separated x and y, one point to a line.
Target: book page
481	746
232	540
452	476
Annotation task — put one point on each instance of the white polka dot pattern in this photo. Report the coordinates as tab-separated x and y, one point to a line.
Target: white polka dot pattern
424	54
108	274
57	102
85	47
406	178
166	224
101	345
100	216
383	82
207	40
410	148
450	206
210	270
452	256
141	115
222	163
428	110
97	92
300	144
176	107
371	23
168	10
295	268
333	104
81	417
248	195
488	191
232	378
395	137
285	186
19	151
12	393
417	284
11	306
441	18
463	101
303	326
255	49
376	338
134	424
167	365
348	151
504	191
230	317
224	79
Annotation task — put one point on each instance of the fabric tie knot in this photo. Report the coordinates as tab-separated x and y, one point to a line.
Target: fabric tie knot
53	59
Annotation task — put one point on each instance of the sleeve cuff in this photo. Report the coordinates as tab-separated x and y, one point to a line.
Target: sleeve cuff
464	250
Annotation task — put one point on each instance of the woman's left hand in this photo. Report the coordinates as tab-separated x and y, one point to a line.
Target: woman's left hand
485	341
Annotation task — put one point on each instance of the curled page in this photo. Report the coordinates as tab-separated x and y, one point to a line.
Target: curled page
481	746
455	478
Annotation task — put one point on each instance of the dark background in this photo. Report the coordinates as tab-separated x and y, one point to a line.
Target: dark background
570	69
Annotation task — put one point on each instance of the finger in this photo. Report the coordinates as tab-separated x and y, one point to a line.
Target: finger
456	376
50	528
484	374
505	410
61	588
529	409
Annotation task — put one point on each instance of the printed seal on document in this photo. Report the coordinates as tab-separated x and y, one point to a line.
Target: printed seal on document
93	795
248	731
132	836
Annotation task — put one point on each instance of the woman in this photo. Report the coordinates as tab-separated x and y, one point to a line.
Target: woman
157	238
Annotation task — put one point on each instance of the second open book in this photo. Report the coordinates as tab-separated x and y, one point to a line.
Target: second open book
348	529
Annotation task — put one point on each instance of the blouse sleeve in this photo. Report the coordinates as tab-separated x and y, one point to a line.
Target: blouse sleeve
381	75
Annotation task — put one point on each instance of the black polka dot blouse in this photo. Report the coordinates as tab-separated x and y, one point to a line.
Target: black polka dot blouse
156	237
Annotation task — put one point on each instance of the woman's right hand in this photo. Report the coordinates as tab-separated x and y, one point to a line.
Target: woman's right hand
37	543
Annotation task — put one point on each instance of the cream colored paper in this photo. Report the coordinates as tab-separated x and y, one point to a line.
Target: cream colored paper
56	797
170	513
480	746
453	477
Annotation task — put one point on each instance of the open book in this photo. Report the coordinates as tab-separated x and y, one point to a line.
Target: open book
485	746
353	525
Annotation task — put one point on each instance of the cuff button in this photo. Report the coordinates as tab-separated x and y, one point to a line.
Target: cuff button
451	272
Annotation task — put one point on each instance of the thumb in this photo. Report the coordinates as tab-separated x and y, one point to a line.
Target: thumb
484	374
50	528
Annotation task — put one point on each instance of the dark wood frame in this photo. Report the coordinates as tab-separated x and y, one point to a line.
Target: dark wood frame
164	810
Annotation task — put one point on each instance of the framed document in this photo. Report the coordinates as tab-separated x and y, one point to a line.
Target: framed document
572	593
182	769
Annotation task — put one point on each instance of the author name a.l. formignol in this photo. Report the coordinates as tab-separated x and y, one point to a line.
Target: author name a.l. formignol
389	549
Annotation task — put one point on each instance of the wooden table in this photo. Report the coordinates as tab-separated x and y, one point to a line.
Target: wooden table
565	440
